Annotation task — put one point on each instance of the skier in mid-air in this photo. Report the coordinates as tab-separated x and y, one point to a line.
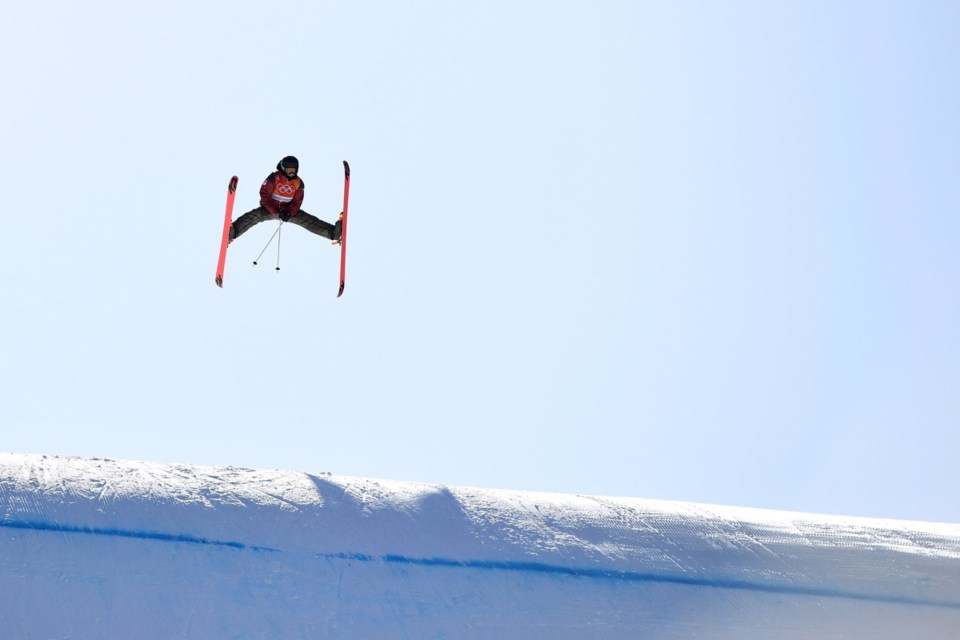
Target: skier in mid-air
280	197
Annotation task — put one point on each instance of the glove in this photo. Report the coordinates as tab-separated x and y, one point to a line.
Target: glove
284	215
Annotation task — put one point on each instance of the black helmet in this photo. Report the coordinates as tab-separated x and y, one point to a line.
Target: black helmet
289	162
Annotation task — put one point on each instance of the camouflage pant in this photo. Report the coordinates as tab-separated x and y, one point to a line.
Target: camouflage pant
309	222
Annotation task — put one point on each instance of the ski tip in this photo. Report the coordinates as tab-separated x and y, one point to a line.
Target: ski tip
233	184
340	292
346	169
219	281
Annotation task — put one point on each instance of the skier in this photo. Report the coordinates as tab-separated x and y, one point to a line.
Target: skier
281	195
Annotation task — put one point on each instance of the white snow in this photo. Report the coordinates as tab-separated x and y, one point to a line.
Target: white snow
95	548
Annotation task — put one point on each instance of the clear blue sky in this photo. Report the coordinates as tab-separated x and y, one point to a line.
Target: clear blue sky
682	250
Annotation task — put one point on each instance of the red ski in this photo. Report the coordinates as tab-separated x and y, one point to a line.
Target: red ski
343	230
228	218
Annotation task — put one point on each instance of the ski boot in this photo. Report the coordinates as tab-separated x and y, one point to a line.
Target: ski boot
338	230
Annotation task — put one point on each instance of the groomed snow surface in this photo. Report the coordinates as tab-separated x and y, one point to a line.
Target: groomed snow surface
110	549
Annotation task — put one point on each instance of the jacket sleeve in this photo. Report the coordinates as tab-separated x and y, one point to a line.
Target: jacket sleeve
266	190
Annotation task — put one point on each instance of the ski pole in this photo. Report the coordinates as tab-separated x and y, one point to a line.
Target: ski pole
266	246
278	245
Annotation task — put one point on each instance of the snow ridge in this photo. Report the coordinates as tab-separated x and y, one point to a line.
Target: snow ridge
92	547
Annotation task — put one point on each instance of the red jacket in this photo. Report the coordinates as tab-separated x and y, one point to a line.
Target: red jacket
278	194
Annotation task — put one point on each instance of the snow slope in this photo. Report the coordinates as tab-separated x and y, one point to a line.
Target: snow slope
108	549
